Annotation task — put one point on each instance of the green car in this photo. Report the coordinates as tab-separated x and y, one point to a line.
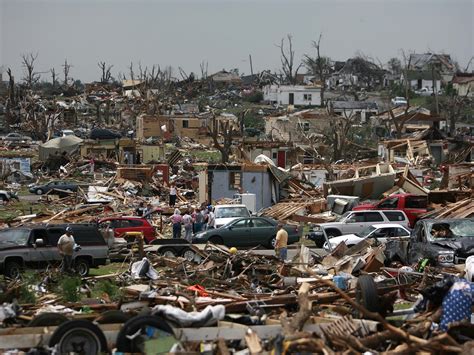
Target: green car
247	232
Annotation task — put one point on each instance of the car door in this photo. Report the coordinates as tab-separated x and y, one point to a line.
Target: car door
120	226
39	254
239	234
372	217
354	223
54	233
382	235
261	231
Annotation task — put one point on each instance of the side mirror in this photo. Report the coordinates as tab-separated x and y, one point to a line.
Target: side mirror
39	242
350	220
230	228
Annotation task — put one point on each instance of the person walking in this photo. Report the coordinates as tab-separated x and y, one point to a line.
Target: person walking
173	193
188	227
281	243
176	219
211	218
198	220
66	245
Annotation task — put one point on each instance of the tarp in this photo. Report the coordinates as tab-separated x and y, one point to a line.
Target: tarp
66	144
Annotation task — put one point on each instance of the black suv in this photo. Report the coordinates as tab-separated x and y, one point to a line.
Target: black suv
35	246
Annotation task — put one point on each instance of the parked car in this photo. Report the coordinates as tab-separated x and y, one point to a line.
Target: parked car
101	133
6	196
356	222
67	132
399	101
443	242
427	92
53	185
16	137
247	232
412	205
227	213
379	232
121	225
35	247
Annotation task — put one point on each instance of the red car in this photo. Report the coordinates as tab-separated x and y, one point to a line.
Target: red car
120	225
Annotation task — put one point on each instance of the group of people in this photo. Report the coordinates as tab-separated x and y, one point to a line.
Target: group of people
200	219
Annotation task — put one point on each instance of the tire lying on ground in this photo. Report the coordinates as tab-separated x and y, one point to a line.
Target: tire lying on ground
140	327
48	319
111	317
367	294
79	336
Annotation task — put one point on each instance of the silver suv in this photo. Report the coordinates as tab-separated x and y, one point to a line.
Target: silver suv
35	247
356	221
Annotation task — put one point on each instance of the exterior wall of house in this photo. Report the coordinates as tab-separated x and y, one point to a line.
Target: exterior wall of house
302	95
150	153
464	89
187	126
258	183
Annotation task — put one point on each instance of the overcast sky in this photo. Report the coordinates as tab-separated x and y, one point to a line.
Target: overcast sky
224	32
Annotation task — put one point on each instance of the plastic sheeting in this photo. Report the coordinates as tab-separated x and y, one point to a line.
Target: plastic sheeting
207	317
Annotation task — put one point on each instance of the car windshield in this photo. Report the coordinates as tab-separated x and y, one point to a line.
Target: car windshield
15	236
365	233
231	212
343	216
445	230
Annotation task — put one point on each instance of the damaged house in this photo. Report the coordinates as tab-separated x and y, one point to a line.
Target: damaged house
296	95
297	127
349	109
226	181
442	63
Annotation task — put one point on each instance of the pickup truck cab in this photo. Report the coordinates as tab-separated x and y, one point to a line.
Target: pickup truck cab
412	205
35	247
443	242
227	213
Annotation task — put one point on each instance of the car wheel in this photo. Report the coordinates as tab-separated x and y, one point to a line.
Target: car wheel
216	240
366	293
271	242
167	252
82	267
112	317
141	328
48	319
39	192
13	270
80	337
189	254
331	233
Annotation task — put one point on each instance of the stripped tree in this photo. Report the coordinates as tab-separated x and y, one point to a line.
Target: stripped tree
319	66
28	63
287	58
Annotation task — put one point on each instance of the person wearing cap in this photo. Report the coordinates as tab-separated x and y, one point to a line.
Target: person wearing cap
66	248
281	243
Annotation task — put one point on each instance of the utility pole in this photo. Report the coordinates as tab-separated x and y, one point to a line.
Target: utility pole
435	89
251	66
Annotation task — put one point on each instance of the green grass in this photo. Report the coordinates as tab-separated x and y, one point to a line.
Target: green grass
19	208
211	156
419	101
111	268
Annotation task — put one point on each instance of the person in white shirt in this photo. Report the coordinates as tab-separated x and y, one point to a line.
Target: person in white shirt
211	220
66	245
188	227
173	193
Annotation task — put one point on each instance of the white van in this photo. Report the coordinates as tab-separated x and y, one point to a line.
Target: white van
227	213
